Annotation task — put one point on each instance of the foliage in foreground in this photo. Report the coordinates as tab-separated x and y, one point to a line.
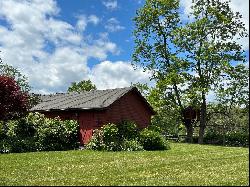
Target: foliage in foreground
37	133
183	165
126	137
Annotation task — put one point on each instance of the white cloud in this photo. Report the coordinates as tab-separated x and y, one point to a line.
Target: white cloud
113	25
100	47
109	74
60	70
52	53
83	21
110	5
93	19
241	6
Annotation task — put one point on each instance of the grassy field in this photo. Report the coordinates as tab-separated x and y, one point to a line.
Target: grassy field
184	164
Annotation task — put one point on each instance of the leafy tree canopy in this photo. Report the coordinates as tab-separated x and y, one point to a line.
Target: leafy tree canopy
21	80
7	70
192	59
13	102
85	85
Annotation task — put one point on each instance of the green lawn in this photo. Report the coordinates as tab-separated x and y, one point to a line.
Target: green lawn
184	164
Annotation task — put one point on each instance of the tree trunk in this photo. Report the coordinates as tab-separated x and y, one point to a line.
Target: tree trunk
189	128
202	119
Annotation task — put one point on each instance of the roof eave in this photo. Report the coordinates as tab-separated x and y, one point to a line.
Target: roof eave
68	109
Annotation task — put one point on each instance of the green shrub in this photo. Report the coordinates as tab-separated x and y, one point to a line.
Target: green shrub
105	139
22	128
50	135
152	140
235	138
96	142
2	133
125	137
20	136
110	134
127	130
35	132
71	133
231	138
155	128
36	119
213	137
5	146
112	137
132	145
113	146
56	135
18	145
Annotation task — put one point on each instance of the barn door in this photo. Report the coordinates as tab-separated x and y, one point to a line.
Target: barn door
86	127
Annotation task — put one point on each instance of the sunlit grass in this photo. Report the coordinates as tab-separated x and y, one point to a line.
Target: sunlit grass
184	164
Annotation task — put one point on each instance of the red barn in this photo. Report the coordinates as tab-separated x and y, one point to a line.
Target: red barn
97	107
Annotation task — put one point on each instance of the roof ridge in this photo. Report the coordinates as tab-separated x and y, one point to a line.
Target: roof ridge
61	93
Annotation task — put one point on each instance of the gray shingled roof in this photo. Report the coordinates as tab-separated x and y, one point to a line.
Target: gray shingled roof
95	99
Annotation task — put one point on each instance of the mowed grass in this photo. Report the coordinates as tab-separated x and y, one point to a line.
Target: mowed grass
184	164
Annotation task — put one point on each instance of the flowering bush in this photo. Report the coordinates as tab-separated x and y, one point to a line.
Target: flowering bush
125	137
112	137
35	133
96	142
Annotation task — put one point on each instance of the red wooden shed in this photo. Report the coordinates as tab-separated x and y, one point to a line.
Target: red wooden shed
95	108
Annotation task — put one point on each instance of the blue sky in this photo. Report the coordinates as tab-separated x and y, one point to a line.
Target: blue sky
57	42
123	12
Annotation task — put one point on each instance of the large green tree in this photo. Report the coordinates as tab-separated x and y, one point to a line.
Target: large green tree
155	50
188	60
210	49
85	85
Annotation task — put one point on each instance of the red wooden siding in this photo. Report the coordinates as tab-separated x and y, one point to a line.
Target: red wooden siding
87	125
129	107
